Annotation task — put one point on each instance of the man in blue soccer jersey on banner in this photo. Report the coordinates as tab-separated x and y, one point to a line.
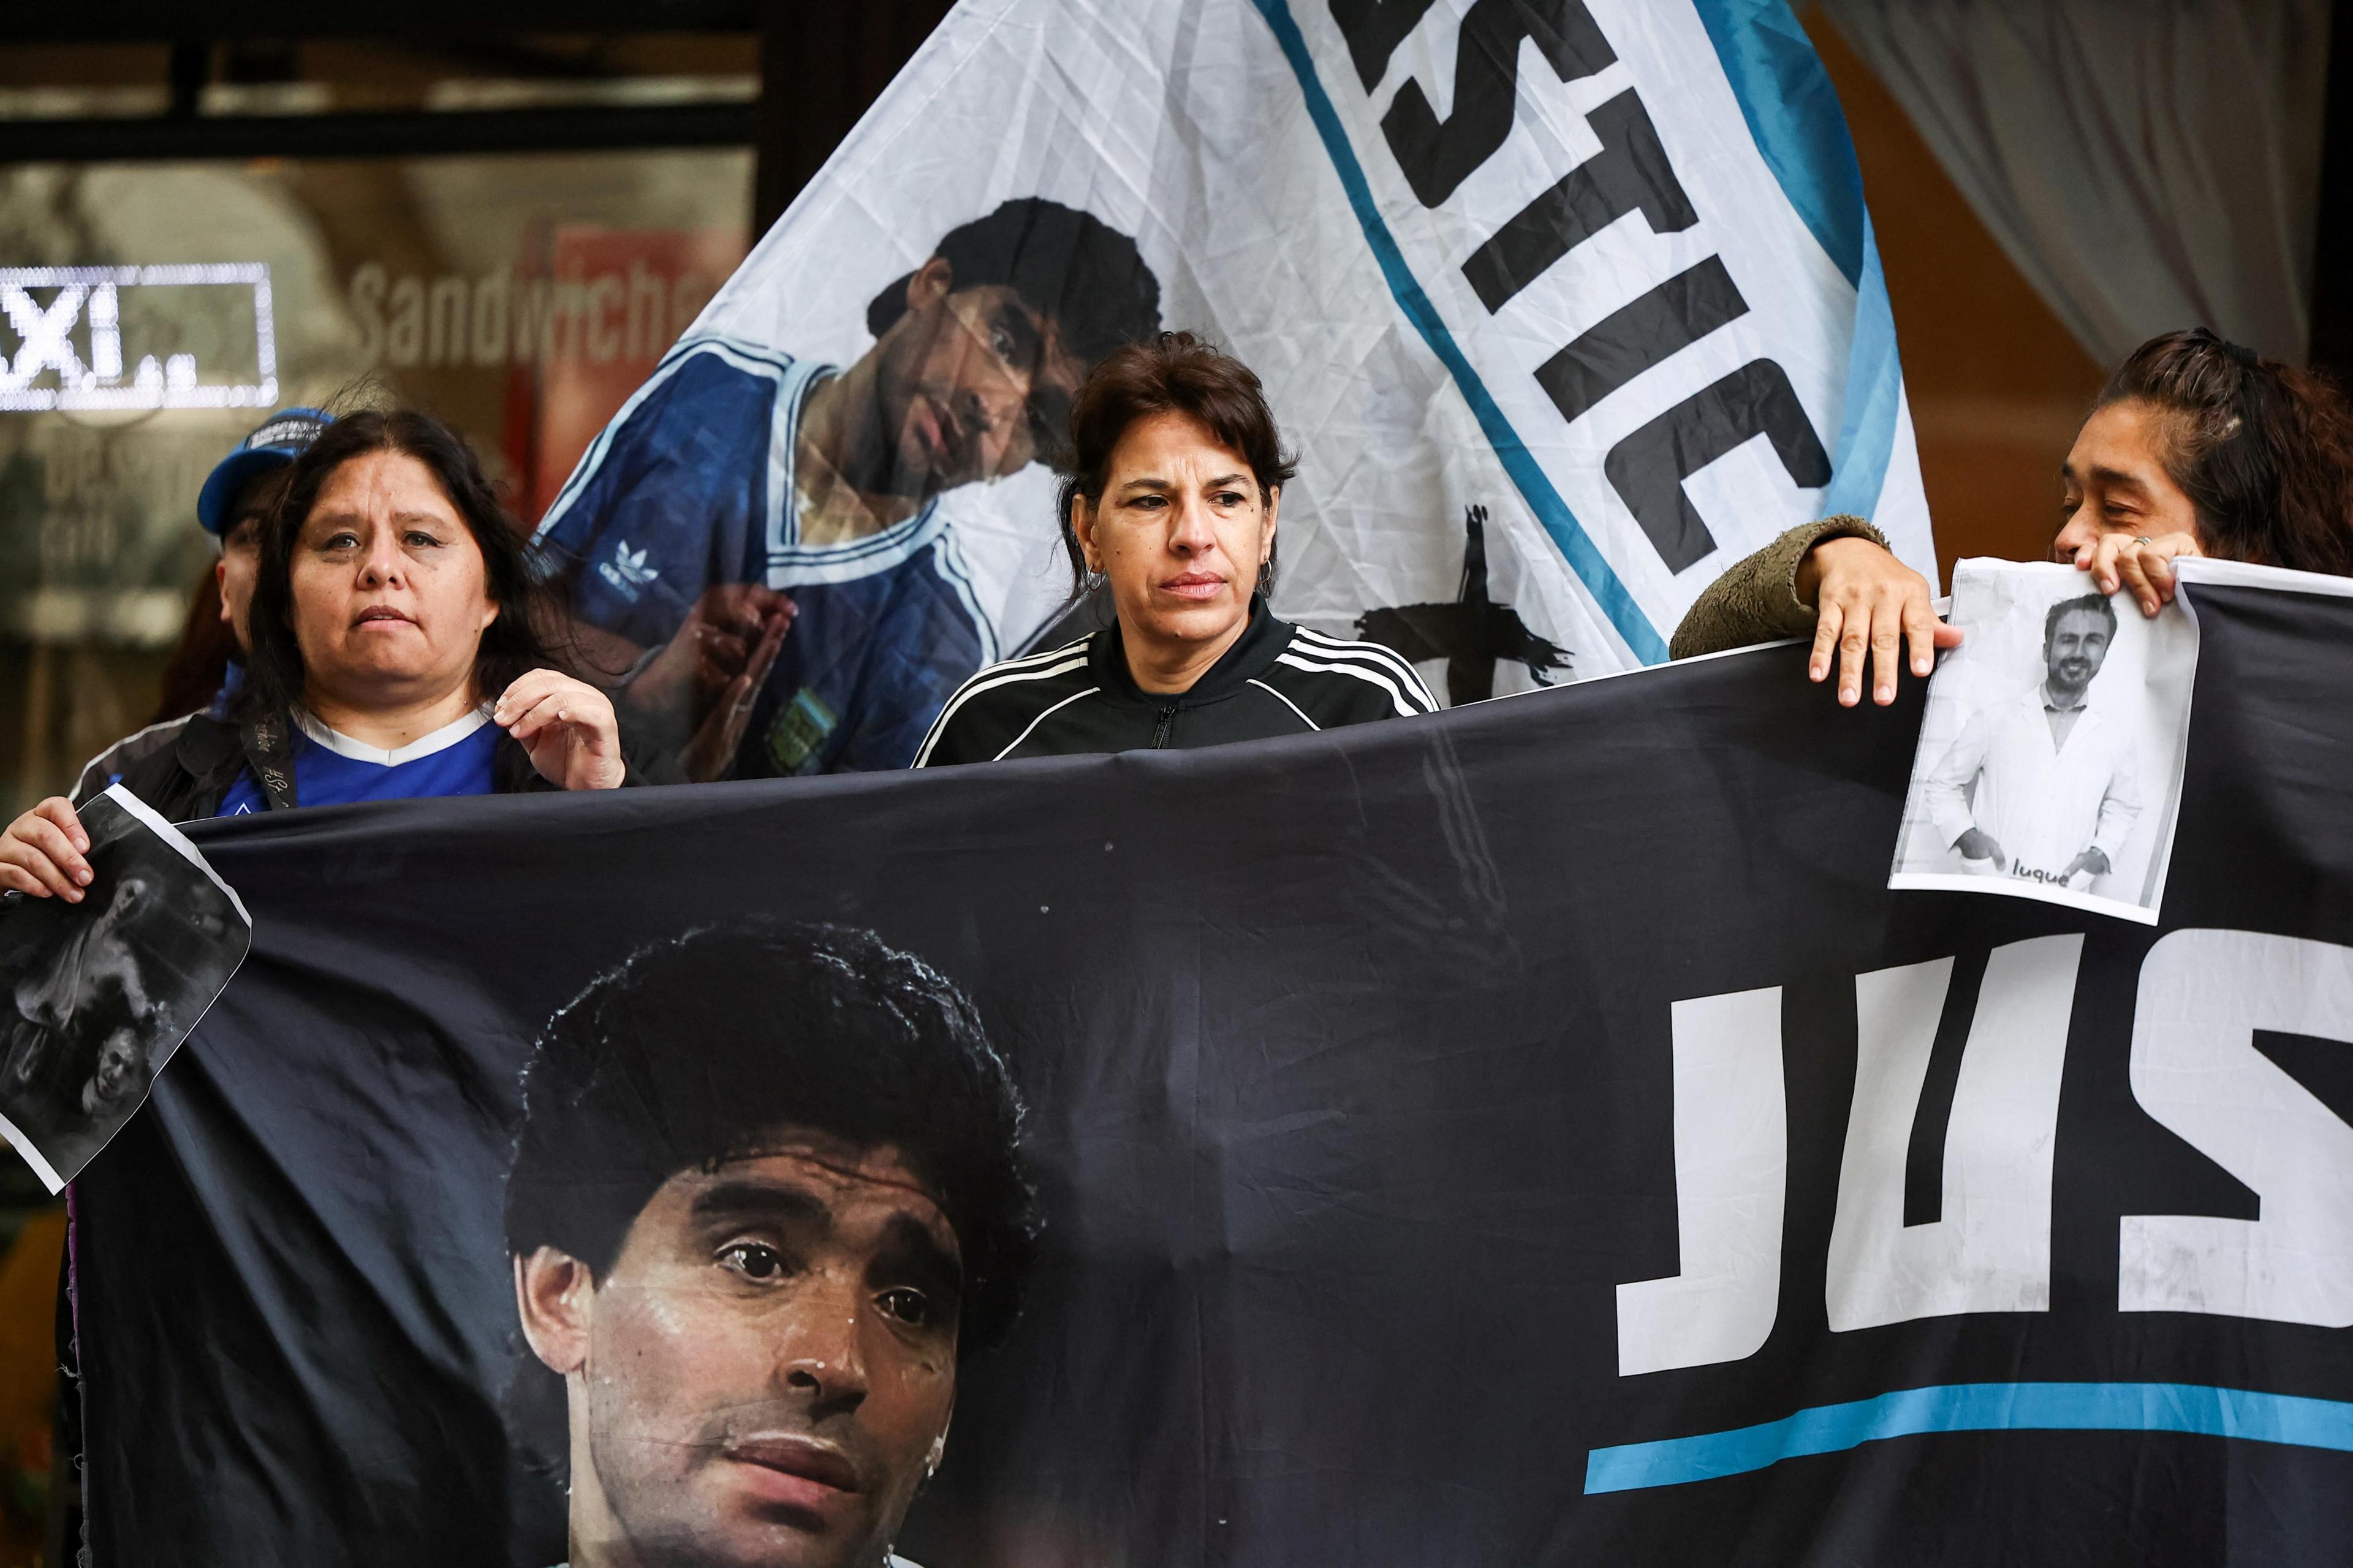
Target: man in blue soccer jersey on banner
754	545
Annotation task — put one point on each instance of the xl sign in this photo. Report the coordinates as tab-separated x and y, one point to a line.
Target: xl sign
137	337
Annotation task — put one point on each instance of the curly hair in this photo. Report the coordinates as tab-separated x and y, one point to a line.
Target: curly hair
2263	450
695	1051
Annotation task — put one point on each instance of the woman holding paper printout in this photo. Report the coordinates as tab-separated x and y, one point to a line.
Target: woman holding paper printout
1175	479
2196	446
395	654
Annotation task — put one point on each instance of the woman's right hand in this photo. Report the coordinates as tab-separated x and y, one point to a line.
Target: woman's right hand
1869	603
2143	564
41	853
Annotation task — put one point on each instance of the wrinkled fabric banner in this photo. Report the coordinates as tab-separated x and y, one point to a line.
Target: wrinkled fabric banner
1532	1133
1567	305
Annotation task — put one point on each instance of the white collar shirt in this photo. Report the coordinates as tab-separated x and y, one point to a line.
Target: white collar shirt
2043	802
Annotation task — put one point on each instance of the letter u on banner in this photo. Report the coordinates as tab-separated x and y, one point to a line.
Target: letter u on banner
2195	1068
1732	1159
1990	1249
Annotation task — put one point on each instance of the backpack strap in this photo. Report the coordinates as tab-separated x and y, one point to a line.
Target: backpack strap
269	752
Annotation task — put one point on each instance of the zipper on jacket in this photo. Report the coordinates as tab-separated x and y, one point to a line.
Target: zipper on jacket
1160	730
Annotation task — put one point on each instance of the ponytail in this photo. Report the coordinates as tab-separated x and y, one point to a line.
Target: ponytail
2263	450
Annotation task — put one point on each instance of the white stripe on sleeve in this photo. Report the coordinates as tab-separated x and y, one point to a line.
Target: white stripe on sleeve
1012	672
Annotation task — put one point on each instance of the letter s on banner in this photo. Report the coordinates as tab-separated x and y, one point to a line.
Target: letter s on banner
1992	1250
2195	1068
1732	1160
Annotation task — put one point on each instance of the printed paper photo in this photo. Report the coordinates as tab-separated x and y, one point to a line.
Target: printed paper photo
101	993
2050	758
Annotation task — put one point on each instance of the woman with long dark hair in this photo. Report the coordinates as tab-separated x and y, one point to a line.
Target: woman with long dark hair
2196	446
397	652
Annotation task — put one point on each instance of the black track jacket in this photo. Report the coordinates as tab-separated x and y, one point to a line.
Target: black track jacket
1277	680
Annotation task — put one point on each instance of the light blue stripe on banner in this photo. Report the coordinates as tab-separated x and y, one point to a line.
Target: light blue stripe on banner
1793	116
1978	1407
1583	557
1875	386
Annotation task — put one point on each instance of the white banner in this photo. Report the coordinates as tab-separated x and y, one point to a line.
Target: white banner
1566	304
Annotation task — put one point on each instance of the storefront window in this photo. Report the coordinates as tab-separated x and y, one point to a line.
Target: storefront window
150	314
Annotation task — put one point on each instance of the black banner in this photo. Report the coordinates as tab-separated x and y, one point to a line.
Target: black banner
1529	1134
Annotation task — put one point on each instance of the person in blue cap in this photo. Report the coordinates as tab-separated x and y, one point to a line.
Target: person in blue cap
208	666
237	494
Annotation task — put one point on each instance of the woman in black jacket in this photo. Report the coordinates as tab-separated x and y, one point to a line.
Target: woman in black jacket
1170	502
397	653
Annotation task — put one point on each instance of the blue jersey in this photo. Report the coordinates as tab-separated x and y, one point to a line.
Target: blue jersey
332	769
232	682
691	486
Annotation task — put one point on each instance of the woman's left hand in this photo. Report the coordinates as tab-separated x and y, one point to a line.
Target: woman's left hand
568	728
2143	565
1868	604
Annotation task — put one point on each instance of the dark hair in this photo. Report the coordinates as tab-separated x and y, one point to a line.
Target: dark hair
2263	450
694	1051
1069	265
2093	603
511	645
1169	373
199	665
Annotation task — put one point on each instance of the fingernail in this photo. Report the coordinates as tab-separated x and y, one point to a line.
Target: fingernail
82	876
1887	694
2149	606
1919	666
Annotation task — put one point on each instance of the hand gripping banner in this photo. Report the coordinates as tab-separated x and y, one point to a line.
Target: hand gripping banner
1566	304
1531	1133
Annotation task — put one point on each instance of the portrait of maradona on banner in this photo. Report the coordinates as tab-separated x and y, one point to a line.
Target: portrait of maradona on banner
751	1246
2050	758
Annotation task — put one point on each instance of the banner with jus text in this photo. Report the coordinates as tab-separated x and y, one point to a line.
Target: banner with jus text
1527	1133
1566	304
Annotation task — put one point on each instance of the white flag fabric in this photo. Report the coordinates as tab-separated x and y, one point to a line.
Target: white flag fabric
1566	304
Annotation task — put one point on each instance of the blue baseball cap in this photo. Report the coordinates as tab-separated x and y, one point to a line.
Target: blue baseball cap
283	438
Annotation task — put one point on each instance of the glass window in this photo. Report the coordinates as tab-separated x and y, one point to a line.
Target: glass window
150	314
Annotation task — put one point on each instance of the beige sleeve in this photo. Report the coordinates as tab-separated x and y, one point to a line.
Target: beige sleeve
1756	600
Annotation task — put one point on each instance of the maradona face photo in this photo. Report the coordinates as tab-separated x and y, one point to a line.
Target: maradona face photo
767	1193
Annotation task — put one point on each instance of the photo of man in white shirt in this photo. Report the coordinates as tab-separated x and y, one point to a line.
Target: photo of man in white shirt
2041	786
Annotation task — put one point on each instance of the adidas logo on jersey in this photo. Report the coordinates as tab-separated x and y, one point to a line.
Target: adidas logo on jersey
627	571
